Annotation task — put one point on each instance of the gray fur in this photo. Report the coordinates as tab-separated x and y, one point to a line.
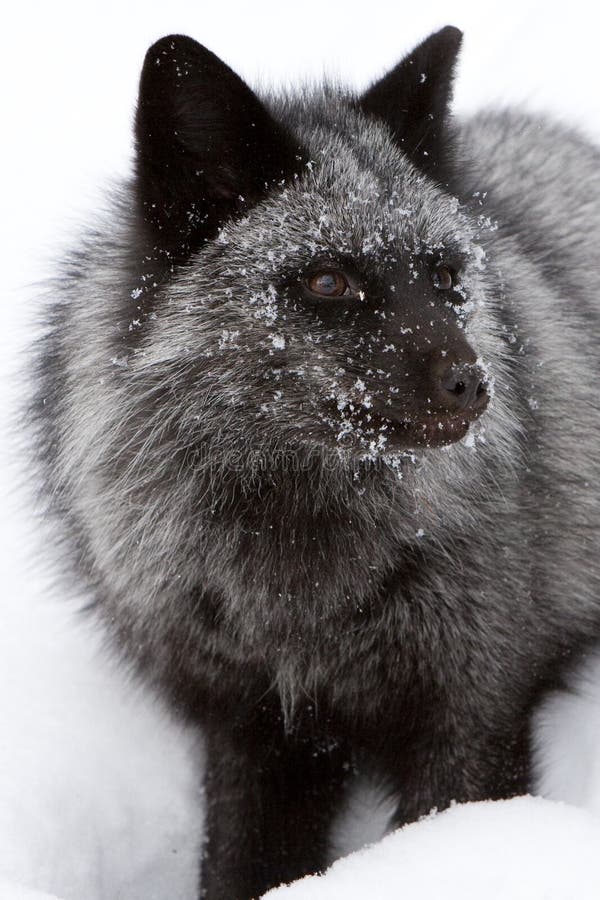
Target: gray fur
356	575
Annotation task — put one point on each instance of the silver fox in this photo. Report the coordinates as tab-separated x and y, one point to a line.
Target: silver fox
316	409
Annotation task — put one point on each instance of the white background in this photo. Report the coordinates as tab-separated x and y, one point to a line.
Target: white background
97	789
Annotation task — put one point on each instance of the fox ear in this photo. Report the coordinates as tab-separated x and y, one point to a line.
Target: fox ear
413	100
207	148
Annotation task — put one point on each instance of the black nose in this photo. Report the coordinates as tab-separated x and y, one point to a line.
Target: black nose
463	386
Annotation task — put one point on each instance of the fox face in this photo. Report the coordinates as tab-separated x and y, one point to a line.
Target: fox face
329	285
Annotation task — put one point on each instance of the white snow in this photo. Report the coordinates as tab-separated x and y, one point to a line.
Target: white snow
522	849
17	892
99	794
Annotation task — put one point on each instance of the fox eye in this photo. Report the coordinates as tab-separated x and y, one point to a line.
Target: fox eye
444	278
328	284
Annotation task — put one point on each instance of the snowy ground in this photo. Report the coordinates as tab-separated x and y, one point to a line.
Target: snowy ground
99	792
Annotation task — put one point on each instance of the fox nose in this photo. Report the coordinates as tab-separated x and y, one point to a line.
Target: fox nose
463	386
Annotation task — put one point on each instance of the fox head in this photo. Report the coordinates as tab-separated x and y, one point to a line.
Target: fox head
307	272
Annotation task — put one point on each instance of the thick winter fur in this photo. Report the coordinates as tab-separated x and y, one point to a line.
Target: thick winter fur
252	476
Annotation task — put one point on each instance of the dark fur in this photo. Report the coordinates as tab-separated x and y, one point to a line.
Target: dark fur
331	595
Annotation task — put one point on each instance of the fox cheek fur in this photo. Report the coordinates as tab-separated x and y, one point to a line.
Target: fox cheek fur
313	409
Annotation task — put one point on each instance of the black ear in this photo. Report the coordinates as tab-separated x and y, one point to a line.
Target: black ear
413	100
207	147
